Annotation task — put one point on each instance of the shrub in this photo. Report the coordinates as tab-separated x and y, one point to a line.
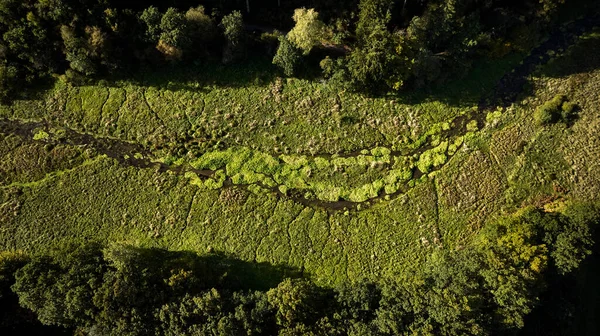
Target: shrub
568	111
551	111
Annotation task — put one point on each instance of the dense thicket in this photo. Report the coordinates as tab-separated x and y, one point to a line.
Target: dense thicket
383	44
486	288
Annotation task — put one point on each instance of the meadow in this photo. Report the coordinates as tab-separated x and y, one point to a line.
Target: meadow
337	185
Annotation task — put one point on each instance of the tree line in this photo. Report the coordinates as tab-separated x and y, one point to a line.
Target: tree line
378	44
486	288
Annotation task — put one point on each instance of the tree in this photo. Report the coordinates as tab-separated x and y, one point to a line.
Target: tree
569	235
287	56
369	64
151	18
233	29
76	52
253	313
192	314
375	62
514	257
173	26
296	301
308	32
201	27
60	291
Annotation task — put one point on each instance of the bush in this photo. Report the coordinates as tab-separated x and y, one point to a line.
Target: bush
557	109
568	111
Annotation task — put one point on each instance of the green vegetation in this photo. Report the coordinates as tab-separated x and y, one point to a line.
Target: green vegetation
558	108
380	44
122	289
431	169
287	56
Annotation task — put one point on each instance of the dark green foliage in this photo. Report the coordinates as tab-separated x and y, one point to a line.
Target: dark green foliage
60	291
151	18
296	302
394	44
287	56
486	288
370	63
9	264
233	29
15	319
174	29
572	238
557	109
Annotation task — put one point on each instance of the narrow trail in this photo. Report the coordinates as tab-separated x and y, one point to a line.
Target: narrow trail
506	92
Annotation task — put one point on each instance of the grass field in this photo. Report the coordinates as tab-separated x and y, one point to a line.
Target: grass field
334	184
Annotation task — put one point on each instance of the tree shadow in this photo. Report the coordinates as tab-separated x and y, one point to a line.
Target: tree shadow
515	85
215	270
200	76
469	89
582	57
253	275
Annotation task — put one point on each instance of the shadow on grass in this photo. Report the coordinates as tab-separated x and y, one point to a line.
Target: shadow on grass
252	275
215	270
467	90
583	57
515	85
202	77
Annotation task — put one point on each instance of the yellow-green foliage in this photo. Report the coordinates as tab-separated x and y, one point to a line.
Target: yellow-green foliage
194	179
41	135
434	157
246	167
453	147
309	31
395	179
472	126
549	112
216	182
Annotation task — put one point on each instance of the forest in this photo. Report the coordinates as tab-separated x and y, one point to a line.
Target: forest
293	167
366	45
